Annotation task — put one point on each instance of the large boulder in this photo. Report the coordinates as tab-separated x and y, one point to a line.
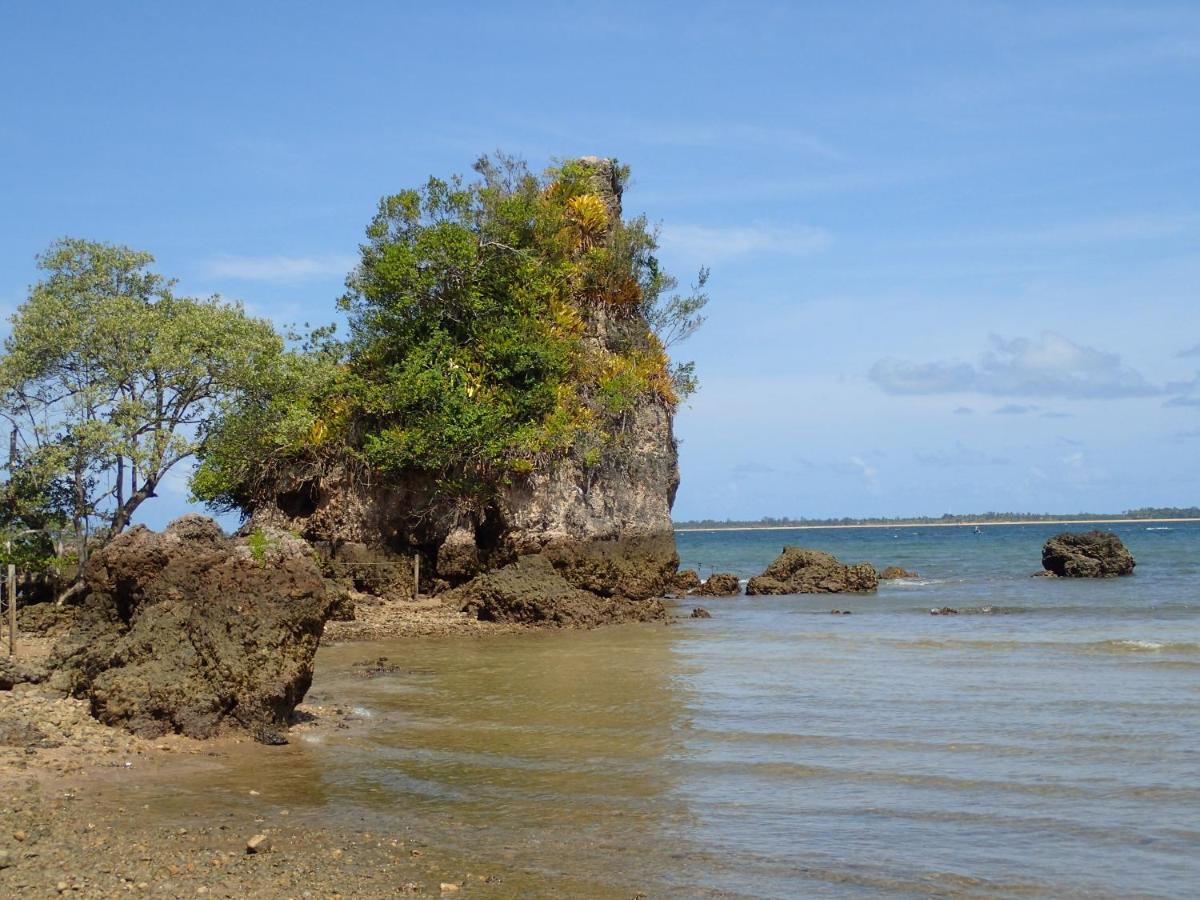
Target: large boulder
800	571
190	631
532	591
1090	554
719	584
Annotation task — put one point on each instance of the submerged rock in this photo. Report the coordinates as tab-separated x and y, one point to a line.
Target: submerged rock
533	591
700	613
719	584
892	573
800	571
189	630
1091	554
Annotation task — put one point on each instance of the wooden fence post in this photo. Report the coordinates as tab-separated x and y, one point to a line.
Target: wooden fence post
12	610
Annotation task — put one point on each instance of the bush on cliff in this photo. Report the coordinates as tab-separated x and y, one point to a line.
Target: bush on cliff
496	325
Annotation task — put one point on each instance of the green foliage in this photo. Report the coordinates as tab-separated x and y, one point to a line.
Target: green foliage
496	325
108	380
258	543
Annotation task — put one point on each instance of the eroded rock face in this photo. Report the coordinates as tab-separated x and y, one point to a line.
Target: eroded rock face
686	580
533	591
189	630
1091	554
800	571
719	584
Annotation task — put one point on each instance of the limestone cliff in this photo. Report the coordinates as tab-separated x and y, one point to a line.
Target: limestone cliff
604	526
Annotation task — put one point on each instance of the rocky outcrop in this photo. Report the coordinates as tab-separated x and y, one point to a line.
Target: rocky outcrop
532	591
800	571
604	526
1091	554
719	584
16	671
189	631
685	581
893	573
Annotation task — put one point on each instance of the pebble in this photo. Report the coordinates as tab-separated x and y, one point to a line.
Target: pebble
260	843
448	888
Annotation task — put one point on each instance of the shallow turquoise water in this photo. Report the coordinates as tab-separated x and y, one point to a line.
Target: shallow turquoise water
1044	742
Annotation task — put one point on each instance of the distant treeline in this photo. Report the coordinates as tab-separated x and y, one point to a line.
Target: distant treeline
1145	512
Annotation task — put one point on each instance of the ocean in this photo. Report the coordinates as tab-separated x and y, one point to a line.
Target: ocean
1044	742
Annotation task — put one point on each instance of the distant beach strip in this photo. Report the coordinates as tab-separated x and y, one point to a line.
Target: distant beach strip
686	528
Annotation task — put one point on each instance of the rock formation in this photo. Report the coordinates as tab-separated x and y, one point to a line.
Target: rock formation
891	573
533	591
1091	554
189	630
605	528
686	581
719	584
800	571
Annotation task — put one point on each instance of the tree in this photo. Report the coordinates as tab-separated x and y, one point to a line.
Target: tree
497	326
109	380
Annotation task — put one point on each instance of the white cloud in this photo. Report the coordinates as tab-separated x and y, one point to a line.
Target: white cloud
1049	366
705	243
279	268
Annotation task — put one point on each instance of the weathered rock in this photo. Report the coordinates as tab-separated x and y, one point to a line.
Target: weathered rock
1091	554
944	611
46	618
800	571
189	630
260	843
719	584
700	613
15	671
374	570
532	591
685	581
892	573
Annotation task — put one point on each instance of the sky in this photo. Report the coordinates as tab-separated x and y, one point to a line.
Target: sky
955	247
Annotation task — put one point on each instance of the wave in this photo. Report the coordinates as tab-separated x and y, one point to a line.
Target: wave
1114	645
1159	528
1131	645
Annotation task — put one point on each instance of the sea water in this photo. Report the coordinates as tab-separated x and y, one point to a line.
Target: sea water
1045	741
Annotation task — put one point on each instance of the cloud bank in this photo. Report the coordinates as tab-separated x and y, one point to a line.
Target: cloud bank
1049	366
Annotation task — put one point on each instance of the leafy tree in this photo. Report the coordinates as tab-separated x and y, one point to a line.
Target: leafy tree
496	325
109	380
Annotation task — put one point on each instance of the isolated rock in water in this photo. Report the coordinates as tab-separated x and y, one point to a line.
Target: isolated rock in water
532	591
188	630
686	580
700	613
800	571
893	572
719	584
1091	554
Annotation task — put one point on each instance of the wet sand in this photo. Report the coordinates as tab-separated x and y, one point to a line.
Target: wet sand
73	821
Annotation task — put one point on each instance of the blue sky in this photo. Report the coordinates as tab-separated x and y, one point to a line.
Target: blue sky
955	247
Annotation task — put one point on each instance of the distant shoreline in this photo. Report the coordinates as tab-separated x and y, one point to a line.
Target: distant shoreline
694	529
